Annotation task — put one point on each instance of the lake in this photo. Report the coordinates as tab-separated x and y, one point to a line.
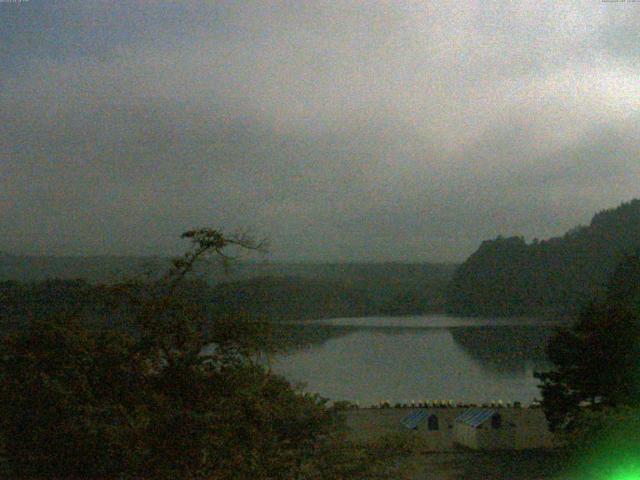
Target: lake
421	357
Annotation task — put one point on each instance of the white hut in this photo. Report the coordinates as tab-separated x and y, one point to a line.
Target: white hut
483	429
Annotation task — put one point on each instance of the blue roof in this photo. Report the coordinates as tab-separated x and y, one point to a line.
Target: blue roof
475	416
412	420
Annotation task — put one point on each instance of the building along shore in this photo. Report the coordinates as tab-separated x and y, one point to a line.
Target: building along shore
525	428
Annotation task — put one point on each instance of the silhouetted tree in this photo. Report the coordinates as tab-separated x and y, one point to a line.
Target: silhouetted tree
175	394
597	361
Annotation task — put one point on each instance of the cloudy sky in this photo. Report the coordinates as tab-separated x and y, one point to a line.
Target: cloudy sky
340	130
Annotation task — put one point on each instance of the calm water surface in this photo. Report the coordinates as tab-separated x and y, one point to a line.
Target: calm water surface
412	358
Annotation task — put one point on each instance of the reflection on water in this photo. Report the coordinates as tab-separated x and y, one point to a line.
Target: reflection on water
508	348
412	358
436	321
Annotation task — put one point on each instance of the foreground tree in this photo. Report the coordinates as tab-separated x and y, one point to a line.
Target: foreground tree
172	393
597	362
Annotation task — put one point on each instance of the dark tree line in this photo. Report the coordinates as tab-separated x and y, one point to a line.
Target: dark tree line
273	298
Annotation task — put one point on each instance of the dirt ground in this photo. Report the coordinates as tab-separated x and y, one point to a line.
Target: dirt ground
523	465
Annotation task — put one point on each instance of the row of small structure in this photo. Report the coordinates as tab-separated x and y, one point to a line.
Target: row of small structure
444	426
444	404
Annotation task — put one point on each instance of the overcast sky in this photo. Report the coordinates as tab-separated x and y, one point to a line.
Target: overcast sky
340	130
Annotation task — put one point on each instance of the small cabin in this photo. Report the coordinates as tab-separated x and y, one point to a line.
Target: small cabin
414	419
421	419
483	429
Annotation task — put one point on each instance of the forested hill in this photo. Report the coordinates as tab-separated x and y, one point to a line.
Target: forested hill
279	291
508	276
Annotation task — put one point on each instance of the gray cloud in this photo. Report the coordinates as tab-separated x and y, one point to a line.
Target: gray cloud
340	130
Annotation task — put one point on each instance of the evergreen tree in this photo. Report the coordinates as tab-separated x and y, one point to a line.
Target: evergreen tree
597	361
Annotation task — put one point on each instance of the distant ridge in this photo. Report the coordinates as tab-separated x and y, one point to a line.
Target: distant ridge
507	276
94	269
108	268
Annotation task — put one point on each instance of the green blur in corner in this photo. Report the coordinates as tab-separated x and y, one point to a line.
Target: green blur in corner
627	472
606	445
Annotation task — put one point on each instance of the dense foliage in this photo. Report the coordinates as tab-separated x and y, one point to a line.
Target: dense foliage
508	276
174	394
597	361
